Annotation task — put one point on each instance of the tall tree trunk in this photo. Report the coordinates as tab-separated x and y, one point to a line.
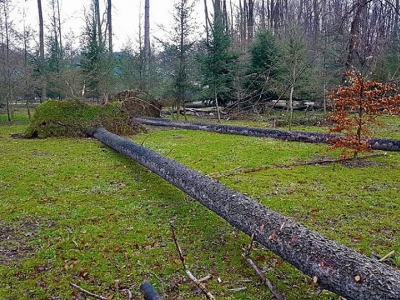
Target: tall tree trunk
354	36
217	104
147	42
59	26
41	51
98	21
6	61
207	21
396	22
225	15
109	25
26	75
250	21
263	24
334	267
290	108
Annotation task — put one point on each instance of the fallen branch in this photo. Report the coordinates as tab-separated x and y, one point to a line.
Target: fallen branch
260	273
87	292
187	271
239	289
389	255
238	170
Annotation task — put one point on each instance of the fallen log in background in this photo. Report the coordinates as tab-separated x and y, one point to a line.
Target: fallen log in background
296	136
333	266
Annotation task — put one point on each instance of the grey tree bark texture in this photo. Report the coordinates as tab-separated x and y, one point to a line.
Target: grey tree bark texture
335	267
296	136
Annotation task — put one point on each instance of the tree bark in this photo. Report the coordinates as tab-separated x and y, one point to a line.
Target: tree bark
147	42
98	21
41	50
109	25
59	26
207	21
305	137
354	36
334	267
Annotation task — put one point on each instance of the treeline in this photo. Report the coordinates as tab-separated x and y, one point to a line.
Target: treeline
247	53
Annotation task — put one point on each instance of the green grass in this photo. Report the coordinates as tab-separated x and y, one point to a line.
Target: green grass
77	211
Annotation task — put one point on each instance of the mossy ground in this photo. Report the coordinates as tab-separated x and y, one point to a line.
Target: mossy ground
74	210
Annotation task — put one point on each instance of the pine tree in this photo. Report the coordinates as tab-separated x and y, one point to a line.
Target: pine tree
219	64
262	69
97	68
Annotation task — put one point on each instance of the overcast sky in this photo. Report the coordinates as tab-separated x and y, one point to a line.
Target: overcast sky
125	16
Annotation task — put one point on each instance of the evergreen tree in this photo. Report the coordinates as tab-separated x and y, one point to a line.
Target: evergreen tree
219	64
97	68
262	70
177	51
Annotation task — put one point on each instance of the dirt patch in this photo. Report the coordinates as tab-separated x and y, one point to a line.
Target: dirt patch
14	241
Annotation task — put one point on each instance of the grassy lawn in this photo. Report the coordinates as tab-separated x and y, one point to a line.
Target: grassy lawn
76	211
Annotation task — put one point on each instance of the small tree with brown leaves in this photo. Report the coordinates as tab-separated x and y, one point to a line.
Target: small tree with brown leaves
356	106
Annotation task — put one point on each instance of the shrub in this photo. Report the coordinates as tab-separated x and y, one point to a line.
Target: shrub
356	106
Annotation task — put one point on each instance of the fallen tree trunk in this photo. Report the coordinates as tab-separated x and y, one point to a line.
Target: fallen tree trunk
333	266
307	137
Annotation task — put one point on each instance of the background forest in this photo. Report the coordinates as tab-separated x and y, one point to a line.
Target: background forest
246	53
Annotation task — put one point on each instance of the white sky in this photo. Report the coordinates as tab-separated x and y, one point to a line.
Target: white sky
125	16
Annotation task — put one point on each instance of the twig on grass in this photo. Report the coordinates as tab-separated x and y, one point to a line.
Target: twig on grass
187	271
129	294
260	273
87	292
390	254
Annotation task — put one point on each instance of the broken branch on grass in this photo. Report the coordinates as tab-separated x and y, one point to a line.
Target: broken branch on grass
238	170
268	283
260	273
187	271
390	254
87	292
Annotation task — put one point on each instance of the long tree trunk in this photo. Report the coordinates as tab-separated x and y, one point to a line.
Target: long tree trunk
109	25
59	26
334	267
354	36
207	21
182	62
41	51
263	25
6	55
306	137
98	22
290	108
147	42
250	21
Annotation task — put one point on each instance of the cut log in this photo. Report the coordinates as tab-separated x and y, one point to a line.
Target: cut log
295	136
333	266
